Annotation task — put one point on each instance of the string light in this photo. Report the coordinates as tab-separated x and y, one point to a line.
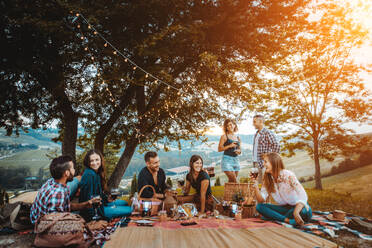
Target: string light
89	27
105	45
147	75
114	52
78	26
134	68
86	49
82	37
126	59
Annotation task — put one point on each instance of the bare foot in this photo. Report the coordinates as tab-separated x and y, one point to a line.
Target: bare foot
298	219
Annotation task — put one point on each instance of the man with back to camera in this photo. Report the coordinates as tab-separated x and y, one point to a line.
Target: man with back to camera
54	195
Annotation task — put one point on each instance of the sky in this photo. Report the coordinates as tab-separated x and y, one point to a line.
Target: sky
362	55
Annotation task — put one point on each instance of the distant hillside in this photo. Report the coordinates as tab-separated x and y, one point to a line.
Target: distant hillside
30	148
357	182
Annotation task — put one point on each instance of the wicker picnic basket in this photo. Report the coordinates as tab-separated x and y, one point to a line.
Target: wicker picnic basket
231	189
248	211
155	203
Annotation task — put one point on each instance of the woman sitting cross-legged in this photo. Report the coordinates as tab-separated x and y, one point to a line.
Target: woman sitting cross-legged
200	181
93	182
285	189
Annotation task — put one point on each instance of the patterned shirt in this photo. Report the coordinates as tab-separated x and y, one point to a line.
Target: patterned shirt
52	197
267	143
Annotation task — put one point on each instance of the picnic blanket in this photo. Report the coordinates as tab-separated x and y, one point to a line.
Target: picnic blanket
213	232
319	225
214	223
279	237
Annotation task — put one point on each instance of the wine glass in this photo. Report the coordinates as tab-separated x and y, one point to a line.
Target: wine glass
234	208
146	208
181	182
254	172
114	194
95	206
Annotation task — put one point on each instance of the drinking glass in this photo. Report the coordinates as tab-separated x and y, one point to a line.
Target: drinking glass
234	208
146	208
181	182
114	194
254	172
95	206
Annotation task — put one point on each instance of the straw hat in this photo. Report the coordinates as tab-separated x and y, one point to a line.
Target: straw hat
337	215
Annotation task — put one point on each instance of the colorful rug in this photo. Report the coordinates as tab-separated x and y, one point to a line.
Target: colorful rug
213	223
101	236
321	225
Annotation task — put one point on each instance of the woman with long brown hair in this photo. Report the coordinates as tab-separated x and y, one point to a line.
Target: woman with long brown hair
200	181
94	182
285	189
230	146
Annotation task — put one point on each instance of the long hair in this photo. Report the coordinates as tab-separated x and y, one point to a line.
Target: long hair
277	165
193	159
226	122
101	170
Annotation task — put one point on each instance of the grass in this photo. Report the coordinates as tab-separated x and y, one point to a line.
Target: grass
357	183
328	200
33	159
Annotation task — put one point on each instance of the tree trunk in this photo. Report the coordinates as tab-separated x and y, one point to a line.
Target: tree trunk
105	128
123	163
318	179
70	123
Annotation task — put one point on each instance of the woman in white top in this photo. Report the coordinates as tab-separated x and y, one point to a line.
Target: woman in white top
285	189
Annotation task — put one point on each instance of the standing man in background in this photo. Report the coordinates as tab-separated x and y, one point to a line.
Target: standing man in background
264	141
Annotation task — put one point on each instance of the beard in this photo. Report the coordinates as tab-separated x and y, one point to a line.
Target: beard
153	170
70	178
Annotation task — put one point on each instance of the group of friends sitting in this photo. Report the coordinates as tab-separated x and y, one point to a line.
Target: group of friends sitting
57	193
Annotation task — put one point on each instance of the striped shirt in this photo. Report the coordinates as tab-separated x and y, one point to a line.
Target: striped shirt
52	197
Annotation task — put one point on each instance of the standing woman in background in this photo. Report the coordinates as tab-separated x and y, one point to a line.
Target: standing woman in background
230	146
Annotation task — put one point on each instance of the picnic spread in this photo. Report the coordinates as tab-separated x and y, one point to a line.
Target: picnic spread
227	226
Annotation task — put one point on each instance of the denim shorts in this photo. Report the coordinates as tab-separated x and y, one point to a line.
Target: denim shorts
229	163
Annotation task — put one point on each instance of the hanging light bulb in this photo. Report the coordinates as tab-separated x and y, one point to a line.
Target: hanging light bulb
82	37
78	26
86	49
89	27
114	52
105	45
92	58
134	68
77	14
147	75
156	81
95	32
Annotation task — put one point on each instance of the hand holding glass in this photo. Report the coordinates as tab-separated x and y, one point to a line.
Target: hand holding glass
96	200
254	173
